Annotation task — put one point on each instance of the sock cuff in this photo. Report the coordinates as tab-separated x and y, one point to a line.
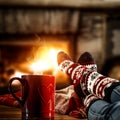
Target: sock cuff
89	99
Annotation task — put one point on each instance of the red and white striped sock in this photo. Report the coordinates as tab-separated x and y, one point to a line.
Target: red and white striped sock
66	65
96	84
89	81
86	60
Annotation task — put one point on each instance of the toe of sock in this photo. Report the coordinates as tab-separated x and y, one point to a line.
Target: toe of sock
61	56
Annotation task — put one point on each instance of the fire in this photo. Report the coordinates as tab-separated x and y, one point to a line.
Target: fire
45	60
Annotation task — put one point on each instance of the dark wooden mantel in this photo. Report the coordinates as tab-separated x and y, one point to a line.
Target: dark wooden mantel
65	3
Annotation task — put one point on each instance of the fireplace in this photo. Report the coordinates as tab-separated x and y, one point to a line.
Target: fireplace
30	37
33	54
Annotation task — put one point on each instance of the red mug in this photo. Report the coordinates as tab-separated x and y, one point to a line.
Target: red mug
37	99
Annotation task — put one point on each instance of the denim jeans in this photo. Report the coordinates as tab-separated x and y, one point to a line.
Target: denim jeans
103	110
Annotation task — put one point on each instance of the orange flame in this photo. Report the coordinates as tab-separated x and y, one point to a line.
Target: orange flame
45	60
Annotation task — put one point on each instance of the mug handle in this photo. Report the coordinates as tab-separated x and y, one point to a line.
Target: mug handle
25	90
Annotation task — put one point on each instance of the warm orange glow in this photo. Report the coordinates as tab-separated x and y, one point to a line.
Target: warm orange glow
45	60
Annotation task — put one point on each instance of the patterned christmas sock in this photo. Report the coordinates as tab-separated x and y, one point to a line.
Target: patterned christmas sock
97	84
66	65
89	81
87	60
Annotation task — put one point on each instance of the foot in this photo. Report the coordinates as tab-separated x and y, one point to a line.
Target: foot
85	80
87	60
75	71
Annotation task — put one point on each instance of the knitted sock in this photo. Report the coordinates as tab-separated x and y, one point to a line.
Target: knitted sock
89	81
87	60
97	84
66	65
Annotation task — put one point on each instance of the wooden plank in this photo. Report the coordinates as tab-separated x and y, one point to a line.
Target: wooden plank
64	3
11	113
30	21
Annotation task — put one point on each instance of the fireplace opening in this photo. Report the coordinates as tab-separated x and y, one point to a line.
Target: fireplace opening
32	54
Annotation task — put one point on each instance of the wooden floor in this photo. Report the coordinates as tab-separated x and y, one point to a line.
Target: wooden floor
11	113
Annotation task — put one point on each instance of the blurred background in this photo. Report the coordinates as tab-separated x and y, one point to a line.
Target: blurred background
33	31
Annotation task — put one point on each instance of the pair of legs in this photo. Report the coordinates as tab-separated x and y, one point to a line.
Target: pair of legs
101	94
101	109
